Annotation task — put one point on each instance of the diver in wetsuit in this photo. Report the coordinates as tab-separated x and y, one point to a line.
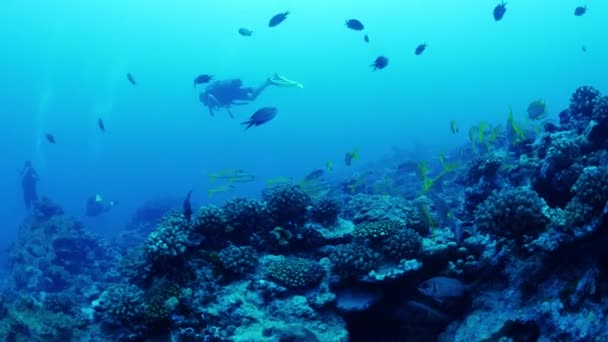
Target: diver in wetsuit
29	178
225	93
96	206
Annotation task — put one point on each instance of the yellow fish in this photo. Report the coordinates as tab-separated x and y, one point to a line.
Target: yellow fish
329	166
454	127
220	189
279	181
350	156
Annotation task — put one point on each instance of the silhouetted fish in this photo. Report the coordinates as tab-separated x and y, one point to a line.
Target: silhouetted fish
188	207
499	10
102	127
580	10
202	79
277	19
420	49
245	32
366	38
354	24
260	117
131	79
380	63
50	138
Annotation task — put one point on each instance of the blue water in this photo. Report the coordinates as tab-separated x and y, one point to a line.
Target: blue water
64	65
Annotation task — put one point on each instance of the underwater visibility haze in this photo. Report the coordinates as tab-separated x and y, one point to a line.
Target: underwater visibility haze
303	170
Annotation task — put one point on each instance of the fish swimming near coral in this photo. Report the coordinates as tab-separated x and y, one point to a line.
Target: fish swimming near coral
316	174
220	189
329	166
443	288
228	174
279	181
131	79
277	19
454	127
260	117
500	10
350	156
245	32
537	110
187	207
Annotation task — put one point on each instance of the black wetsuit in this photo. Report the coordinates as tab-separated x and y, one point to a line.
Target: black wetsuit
29	179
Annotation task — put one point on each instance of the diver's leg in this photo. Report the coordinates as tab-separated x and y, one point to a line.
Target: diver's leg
255	92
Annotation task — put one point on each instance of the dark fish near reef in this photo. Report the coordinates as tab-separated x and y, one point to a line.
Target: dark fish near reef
537	110
50	138
101	125
245	32
443	288
202	79
277	19
380	63
499	10
316	174
188	206
350	156
131	79
366	38
260	117
354	24
420	49
580	10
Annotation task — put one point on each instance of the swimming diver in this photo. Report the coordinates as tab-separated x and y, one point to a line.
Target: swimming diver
29	178
225	93
96	206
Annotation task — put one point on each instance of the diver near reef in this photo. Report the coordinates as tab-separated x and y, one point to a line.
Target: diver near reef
225	93
96	206
29	178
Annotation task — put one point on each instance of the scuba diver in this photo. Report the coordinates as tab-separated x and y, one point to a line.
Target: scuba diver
225	93
29	178
96	206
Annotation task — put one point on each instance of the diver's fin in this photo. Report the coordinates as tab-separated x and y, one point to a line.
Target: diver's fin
281	81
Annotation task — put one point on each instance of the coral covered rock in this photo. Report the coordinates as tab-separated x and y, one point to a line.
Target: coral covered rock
512	212
293	272
287	204
352	260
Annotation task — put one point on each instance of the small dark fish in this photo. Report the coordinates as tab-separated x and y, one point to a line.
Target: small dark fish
350	156
102	127
499	10
316	174
277	19
50	138
260	117
584	48
443	288
354	24
420	49
188	207
380	63
366	38
580	10
202	79
131	79
245	32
